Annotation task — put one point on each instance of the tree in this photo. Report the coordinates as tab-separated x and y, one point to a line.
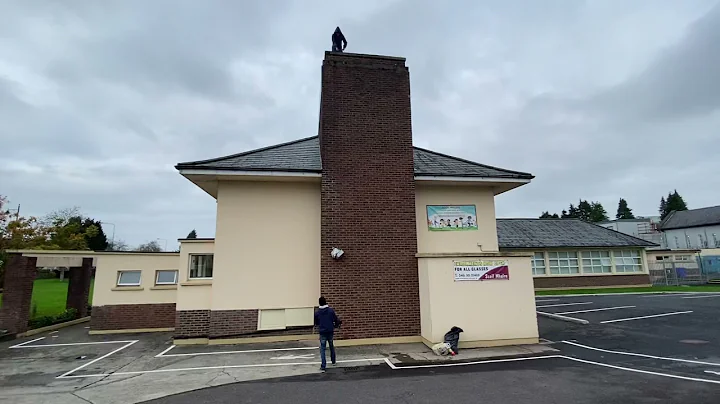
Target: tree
673	202
598	213
192	234
152	246
572	213
623	211
117	245
585	210
547	215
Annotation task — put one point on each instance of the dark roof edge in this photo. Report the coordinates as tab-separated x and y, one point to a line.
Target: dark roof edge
520	173
690	227
190	164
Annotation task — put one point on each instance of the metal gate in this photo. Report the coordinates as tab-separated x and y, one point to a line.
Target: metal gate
676	273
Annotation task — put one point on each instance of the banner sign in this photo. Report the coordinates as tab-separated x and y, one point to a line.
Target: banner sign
452	218
481	270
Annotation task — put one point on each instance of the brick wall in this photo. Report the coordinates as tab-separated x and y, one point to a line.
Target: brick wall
591	281
20	274
79	287
192	323
368	196
232	322
133	316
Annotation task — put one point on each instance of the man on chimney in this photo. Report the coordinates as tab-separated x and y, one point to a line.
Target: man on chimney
338	39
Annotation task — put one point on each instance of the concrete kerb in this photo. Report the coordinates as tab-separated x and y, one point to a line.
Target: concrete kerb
53	327
620	294
563	318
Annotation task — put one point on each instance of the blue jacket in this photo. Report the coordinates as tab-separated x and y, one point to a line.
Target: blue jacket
326	320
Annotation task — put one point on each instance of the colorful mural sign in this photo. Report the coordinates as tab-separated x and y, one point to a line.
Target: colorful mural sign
452	218
481	270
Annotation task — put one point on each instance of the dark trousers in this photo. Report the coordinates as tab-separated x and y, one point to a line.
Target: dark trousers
324	340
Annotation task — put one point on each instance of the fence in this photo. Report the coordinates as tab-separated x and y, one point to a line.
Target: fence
677	273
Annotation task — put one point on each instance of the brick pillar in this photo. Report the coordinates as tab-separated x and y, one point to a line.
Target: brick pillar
19	277
368	196
79	287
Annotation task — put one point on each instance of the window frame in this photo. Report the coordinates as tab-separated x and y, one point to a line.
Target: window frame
619	261
124	285
200	278
571	256
157	275
592	267
535	260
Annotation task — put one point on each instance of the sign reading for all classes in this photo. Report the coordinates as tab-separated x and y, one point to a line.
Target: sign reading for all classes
481	270
451	218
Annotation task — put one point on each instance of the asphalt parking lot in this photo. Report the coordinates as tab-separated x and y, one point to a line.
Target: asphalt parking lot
634	348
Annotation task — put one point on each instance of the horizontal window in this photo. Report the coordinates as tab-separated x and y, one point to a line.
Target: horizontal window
627	261
563	263
166	277
596	262
538	263
128	278
201	266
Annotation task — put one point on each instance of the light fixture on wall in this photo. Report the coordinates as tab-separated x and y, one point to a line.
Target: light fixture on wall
336	253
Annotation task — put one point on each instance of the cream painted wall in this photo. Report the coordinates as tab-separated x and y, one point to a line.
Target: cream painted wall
460	241
194	295
267	245
492	310
107	267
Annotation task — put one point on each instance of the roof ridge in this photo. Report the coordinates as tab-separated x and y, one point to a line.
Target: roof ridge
473	162
212	160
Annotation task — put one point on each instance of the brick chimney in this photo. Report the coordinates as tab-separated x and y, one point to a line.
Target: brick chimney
368	196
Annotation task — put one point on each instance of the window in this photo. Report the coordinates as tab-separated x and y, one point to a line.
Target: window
538	263
201	266
128	278
682	258
166	277
563	262
596	262
627	261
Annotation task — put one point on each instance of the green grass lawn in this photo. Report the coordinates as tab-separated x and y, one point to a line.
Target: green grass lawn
49	296
701	288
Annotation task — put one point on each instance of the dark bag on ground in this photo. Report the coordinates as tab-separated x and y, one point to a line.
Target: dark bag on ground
452	337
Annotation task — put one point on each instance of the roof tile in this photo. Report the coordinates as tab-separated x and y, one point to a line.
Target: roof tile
552	233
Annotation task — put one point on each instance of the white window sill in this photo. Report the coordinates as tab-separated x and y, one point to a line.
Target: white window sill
164	287
127	288
197	283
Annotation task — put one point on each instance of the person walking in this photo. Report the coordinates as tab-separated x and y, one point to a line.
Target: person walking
326	321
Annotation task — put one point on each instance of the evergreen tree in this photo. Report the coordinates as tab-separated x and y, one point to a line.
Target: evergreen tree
673	202
598	213
623	211
585	210
192	234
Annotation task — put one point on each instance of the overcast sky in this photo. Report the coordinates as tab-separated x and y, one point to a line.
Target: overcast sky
598	99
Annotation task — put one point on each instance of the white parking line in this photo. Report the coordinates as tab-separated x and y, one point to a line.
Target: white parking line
26	342
66	374
563	318
547	300
710	371
591	310
671	294
164	355
701	297
642	317
259	365
563	304
641	355
694	379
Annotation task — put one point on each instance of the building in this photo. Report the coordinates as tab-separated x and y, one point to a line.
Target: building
646	228
573	253
696	228
402	241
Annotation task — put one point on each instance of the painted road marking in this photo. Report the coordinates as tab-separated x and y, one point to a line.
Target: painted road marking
563	304
694	379
642	317
547	300
710	371
259	365
701	297
591	310
26	342
671	294
164	354
291	357
66	374
641	355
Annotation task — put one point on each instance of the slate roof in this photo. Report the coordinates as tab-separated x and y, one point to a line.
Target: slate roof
692	218
550	233
304	156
